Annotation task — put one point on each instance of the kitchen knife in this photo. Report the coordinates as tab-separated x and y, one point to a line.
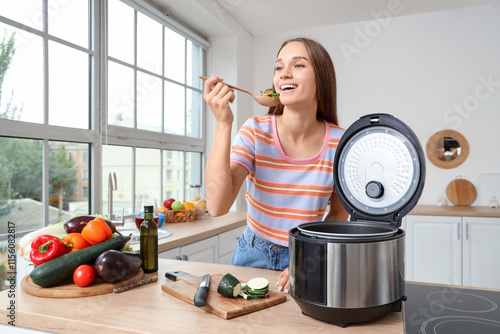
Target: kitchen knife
135	284
201	293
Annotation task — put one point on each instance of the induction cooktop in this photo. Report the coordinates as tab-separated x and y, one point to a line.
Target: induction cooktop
433	309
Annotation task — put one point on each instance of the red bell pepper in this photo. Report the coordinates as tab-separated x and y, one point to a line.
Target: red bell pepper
45	248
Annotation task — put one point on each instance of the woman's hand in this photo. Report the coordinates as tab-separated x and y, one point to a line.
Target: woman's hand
283	283
218	96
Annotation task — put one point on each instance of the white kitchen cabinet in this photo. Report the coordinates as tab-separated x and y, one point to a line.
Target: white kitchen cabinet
481	252
433	251
453	250
227	242
206	250
171	254
216	249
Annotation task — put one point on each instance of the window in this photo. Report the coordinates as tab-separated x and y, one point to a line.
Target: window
70	126
154	95
44	86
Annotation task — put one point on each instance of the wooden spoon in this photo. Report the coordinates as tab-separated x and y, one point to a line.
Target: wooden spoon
266	101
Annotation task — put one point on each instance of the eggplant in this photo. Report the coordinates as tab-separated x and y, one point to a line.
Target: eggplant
77	223
116	266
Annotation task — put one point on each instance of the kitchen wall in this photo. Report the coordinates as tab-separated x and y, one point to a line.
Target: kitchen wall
434	71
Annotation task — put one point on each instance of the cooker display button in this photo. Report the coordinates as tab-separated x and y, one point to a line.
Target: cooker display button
374	189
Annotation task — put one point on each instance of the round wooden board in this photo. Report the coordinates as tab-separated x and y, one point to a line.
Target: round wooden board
461	192
68	289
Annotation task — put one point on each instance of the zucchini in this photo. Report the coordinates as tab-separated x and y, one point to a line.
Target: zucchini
229	286
61	268
257	288
258	285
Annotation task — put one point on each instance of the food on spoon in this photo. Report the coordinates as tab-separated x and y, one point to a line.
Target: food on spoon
62	268
269	92
115	266
229	286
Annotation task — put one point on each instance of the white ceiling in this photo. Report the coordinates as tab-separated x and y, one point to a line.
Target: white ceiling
261	17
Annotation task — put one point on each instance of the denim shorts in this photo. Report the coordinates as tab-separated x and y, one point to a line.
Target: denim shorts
252	251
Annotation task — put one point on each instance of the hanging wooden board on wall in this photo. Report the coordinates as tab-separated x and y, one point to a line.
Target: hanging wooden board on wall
461	192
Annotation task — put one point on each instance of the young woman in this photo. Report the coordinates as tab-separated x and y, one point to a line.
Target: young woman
286	156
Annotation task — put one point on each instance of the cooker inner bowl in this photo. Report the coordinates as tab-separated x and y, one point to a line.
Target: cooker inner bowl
347	230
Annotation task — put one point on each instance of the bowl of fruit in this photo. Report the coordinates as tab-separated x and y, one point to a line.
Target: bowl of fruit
176	211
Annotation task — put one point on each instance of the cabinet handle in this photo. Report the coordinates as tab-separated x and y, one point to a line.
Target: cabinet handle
185	258
466	231
458	230
178	258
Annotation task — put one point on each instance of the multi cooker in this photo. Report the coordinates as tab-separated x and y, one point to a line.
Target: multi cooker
352	271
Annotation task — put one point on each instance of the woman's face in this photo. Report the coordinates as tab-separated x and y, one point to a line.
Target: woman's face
294	76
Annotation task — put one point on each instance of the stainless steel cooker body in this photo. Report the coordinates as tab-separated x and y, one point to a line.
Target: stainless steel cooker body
353	271
345	281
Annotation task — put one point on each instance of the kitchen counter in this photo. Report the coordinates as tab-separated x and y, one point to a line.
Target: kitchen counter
206	227
148	309
451	210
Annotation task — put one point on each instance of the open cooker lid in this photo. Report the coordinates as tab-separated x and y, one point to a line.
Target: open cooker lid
379	169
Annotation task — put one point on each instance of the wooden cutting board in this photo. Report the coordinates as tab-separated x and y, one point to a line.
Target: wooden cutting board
68	289
185	288
461	192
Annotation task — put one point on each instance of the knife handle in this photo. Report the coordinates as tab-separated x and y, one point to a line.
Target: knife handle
200	296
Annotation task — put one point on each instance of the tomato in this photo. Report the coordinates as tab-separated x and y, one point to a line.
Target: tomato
83	275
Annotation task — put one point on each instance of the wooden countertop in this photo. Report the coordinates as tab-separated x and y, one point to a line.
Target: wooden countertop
148	309
451	210
206	227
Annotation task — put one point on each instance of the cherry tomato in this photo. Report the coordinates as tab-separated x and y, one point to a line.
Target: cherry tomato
83	275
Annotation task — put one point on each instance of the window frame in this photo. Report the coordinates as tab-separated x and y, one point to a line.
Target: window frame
100	132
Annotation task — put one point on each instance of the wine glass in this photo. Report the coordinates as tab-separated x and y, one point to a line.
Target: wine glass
139	212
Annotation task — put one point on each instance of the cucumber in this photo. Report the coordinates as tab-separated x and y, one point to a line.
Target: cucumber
55	271
229	286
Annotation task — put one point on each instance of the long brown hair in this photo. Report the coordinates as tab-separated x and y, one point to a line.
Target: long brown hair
326	82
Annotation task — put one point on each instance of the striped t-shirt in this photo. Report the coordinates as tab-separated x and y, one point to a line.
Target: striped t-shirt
283	192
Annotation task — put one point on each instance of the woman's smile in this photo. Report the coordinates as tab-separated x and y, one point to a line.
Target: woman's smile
294	76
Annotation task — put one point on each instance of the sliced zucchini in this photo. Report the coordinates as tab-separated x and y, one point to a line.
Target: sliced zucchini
252	296
258	296
229	286
258	284
244	295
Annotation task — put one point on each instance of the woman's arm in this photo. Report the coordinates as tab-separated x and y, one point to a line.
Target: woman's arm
223	179
337	211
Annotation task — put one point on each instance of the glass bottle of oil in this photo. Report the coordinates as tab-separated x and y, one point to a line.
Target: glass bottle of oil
149	241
